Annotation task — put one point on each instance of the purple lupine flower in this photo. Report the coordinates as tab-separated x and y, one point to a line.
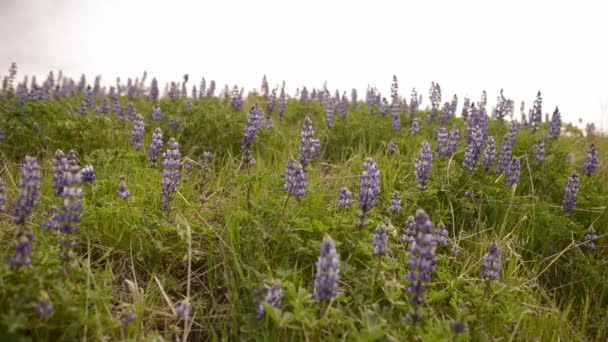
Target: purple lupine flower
127	317
44	307
441	234
156	146
556	125
571	193
395	206
272	100
123	191
591	239
590	129
424	164
171	167
343	107
384	106
274	298
489	154
2	197
453	142
72	159
70	216
446	114
60	167
52	221
330	111
153	95
413	105
537	112
409	231
380	240
465	108
592	161
513	172
491	264
345	198
72	206
328	269
255	120
308	145
295	179
415	126
395	111
442	141
282	102
29	190
157	113
540	150
105	107
369	186
264	87
506	149
236	100
392	148
137	135
435	97
182	309
88	174
175	125
422	264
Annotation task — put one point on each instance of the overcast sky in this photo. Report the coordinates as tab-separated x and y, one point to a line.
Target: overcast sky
558	47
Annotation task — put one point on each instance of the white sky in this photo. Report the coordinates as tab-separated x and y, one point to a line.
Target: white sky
558	47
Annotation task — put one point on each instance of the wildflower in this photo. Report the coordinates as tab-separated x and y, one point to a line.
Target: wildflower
60	167
592	161
380	240
409	231
591	239
52	222
127	317
506	149
571	193
2	197
156	146
182	309
70	216
369	186
491	264
88	174
392	148
345	198
395	114
415	126
295	179
453	142
237	99
395	206
513	172
537	112
442	141
123	191
328	269
171	167
441	234
424	164
137	135
539	150
274	297
157	113
473	149
29	190
255	120
489	154
556	125
309	147
44	307
422	264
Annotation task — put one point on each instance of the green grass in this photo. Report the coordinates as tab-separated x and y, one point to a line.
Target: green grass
132	257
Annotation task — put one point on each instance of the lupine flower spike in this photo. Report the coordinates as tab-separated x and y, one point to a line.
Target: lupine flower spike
44	307
123	191
592	161
328	269
70	217
345	198
409	231
422	264
29	192
591	239
441	234
491	265
395	206
274	298
571	193
423	165
171	168
295	180
369	188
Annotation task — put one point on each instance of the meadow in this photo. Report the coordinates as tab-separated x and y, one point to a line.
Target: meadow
239	229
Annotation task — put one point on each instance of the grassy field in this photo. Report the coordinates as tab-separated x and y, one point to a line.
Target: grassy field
222	253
